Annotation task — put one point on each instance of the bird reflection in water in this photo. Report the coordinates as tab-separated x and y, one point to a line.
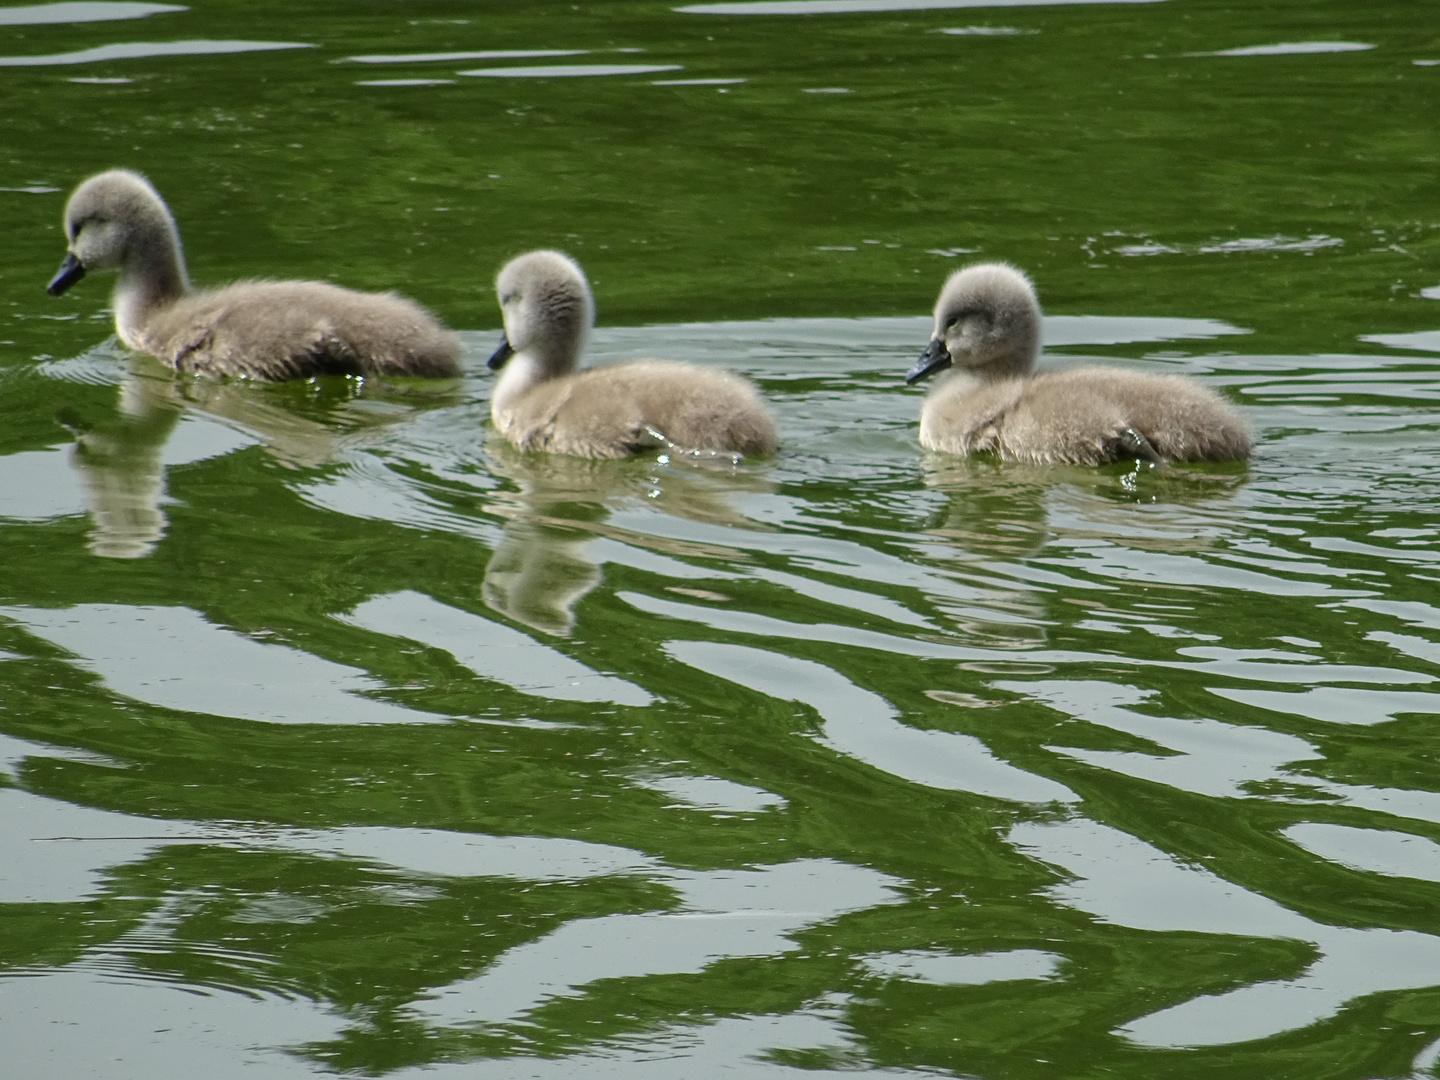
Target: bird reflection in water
559	506
121	456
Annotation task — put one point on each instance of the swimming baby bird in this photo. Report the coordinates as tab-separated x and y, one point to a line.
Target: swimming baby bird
987	331
542	403
262	329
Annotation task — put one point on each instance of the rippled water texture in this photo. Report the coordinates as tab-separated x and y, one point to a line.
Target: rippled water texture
337	737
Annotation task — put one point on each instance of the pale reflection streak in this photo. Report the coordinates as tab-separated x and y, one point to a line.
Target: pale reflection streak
37	485
863	725
14	752
54	852
723	914
711	793
491	649
1376	851
738	1046
1230	663
137	50
936	968
81	11
174	658
1123	880
1337	704
76	1021
1210	757
1207	757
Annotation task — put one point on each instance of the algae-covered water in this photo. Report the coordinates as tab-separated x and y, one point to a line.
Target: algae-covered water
336	737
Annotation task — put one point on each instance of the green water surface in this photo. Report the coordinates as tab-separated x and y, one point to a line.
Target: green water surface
336	737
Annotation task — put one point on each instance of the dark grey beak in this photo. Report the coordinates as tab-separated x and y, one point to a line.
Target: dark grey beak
500	355
71	271
935	358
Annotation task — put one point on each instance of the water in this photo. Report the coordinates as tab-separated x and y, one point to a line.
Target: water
337	737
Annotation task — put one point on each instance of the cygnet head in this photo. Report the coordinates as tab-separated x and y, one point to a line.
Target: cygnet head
117	221
987	322
548	310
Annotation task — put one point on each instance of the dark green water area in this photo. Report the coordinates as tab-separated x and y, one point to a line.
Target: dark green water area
338	738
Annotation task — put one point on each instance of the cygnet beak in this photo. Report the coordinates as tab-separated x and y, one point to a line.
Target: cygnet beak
935	358
500	355
71	271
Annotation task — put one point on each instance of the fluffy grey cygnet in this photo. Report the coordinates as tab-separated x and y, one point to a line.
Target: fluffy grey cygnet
262	329
987	332
542	403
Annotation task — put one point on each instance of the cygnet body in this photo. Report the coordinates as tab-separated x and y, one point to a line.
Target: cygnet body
542	403
987	332
262	329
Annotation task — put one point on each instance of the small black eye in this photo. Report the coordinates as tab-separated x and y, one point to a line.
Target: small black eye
951	324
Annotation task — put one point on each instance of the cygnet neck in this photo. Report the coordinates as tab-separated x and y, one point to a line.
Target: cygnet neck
536	363
1012	365
152	277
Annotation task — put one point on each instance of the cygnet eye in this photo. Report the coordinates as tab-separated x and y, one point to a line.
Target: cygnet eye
950	325
509	298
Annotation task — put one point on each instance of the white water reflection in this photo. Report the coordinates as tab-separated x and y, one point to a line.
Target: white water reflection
1206	756
1249	665
57	852
483	54
1376	851
864	725
54	852
83	11
139	50
730	1046
1123	880
175	658
986	31
846	7
975	969
1338	704
713	793
405	82
1314	242
569	71
78	1022
1292	48
37	485
1423	340
491	649
724	914
15	752
441	853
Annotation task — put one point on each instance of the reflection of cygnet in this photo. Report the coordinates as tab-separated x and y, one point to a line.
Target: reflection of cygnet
537	577
263	329
119	462
540	403
987	327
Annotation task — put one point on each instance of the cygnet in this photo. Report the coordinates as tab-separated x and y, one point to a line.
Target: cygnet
987	332
261	329
542	403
